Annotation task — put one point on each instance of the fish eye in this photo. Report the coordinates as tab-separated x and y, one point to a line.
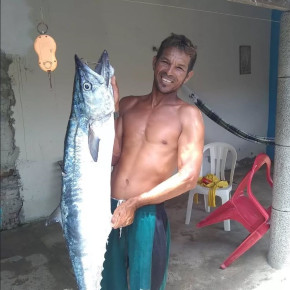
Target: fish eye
87	86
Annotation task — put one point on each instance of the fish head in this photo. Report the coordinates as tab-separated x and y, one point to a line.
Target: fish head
93	93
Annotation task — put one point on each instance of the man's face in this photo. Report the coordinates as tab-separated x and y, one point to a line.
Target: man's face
170	70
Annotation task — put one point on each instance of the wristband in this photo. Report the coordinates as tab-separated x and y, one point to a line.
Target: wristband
116	115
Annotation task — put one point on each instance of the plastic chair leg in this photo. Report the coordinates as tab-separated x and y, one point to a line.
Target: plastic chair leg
206	207
227	225
225	198
246	244
189	207
222	213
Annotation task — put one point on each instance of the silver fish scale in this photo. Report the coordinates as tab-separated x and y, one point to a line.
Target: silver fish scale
85	201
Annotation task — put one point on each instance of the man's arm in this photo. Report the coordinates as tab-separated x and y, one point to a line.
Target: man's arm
117	142
190	151
118	123
121	106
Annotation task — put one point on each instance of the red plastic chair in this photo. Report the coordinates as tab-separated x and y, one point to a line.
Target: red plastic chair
244	208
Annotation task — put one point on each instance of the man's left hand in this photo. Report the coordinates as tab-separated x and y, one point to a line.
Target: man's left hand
115	93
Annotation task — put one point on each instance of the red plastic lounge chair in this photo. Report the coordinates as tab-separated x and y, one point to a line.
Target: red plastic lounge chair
244	208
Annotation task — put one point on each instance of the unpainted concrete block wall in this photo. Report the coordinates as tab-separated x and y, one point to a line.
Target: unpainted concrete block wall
11	201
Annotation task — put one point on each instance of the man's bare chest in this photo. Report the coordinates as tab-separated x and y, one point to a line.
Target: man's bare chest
153	126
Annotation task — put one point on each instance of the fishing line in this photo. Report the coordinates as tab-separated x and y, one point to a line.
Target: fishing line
198	10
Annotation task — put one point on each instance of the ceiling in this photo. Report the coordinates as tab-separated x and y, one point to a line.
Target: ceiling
283	5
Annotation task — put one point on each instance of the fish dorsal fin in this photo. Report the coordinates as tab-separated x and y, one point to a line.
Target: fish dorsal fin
93	141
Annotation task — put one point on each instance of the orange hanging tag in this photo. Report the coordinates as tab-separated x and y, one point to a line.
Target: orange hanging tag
45	47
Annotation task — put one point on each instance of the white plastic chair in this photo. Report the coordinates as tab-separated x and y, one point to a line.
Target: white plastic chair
218	155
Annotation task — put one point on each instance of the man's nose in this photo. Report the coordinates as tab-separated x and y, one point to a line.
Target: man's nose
170	70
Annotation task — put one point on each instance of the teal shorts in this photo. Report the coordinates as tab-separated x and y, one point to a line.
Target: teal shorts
138	254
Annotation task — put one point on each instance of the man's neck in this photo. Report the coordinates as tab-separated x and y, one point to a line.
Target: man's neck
156	97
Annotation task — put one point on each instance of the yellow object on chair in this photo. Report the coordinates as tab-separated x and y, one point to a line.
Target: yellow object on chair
212	182
219	158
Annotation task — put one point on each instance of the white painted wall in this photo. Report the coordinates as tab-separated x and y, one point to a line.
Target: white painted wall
128	31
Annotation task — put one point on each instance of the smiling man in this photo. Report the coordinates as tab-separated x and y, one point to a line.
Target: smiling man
155	134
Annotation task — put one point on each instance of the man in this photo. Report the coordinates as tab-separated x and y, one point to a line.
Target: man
155	134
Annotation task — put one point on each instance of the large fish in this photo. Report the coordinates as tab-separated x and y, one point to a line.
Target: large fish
85	200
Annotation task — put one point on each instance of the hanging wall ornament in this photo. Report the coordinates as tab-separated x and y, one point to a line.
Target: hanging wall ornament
45	47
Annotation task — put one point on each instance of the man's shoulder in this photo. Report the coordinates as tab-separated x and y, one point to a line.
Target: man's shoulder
128	99
189	112
186	107
128	102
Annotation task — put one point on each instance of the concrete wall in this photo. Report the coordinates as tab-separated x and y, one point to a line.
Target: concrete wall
11	201
128	30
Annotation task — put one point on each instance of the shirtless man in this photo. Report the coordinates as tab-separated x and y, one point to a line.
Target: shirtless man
155	134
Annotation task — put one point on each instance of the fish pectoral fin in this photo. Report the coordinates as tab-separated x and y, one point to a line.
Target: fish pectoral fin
94	142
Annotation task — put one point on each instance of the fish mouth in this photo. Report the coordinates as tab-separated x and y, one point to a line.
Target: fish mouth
103	63
103	67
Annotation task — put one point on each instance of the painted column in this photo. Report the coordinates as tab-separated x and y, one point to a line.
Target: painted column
273	76
279	251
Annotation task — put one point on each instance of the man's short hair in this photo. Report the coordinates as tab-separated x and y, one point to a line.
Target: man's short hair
181	42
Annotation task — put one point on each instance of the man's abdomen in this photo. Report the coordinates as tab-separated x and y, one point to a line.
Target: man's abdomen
138	173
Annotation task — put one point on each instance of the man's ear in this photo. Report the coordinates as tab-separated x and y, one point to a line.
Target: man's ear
189	76
154	62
